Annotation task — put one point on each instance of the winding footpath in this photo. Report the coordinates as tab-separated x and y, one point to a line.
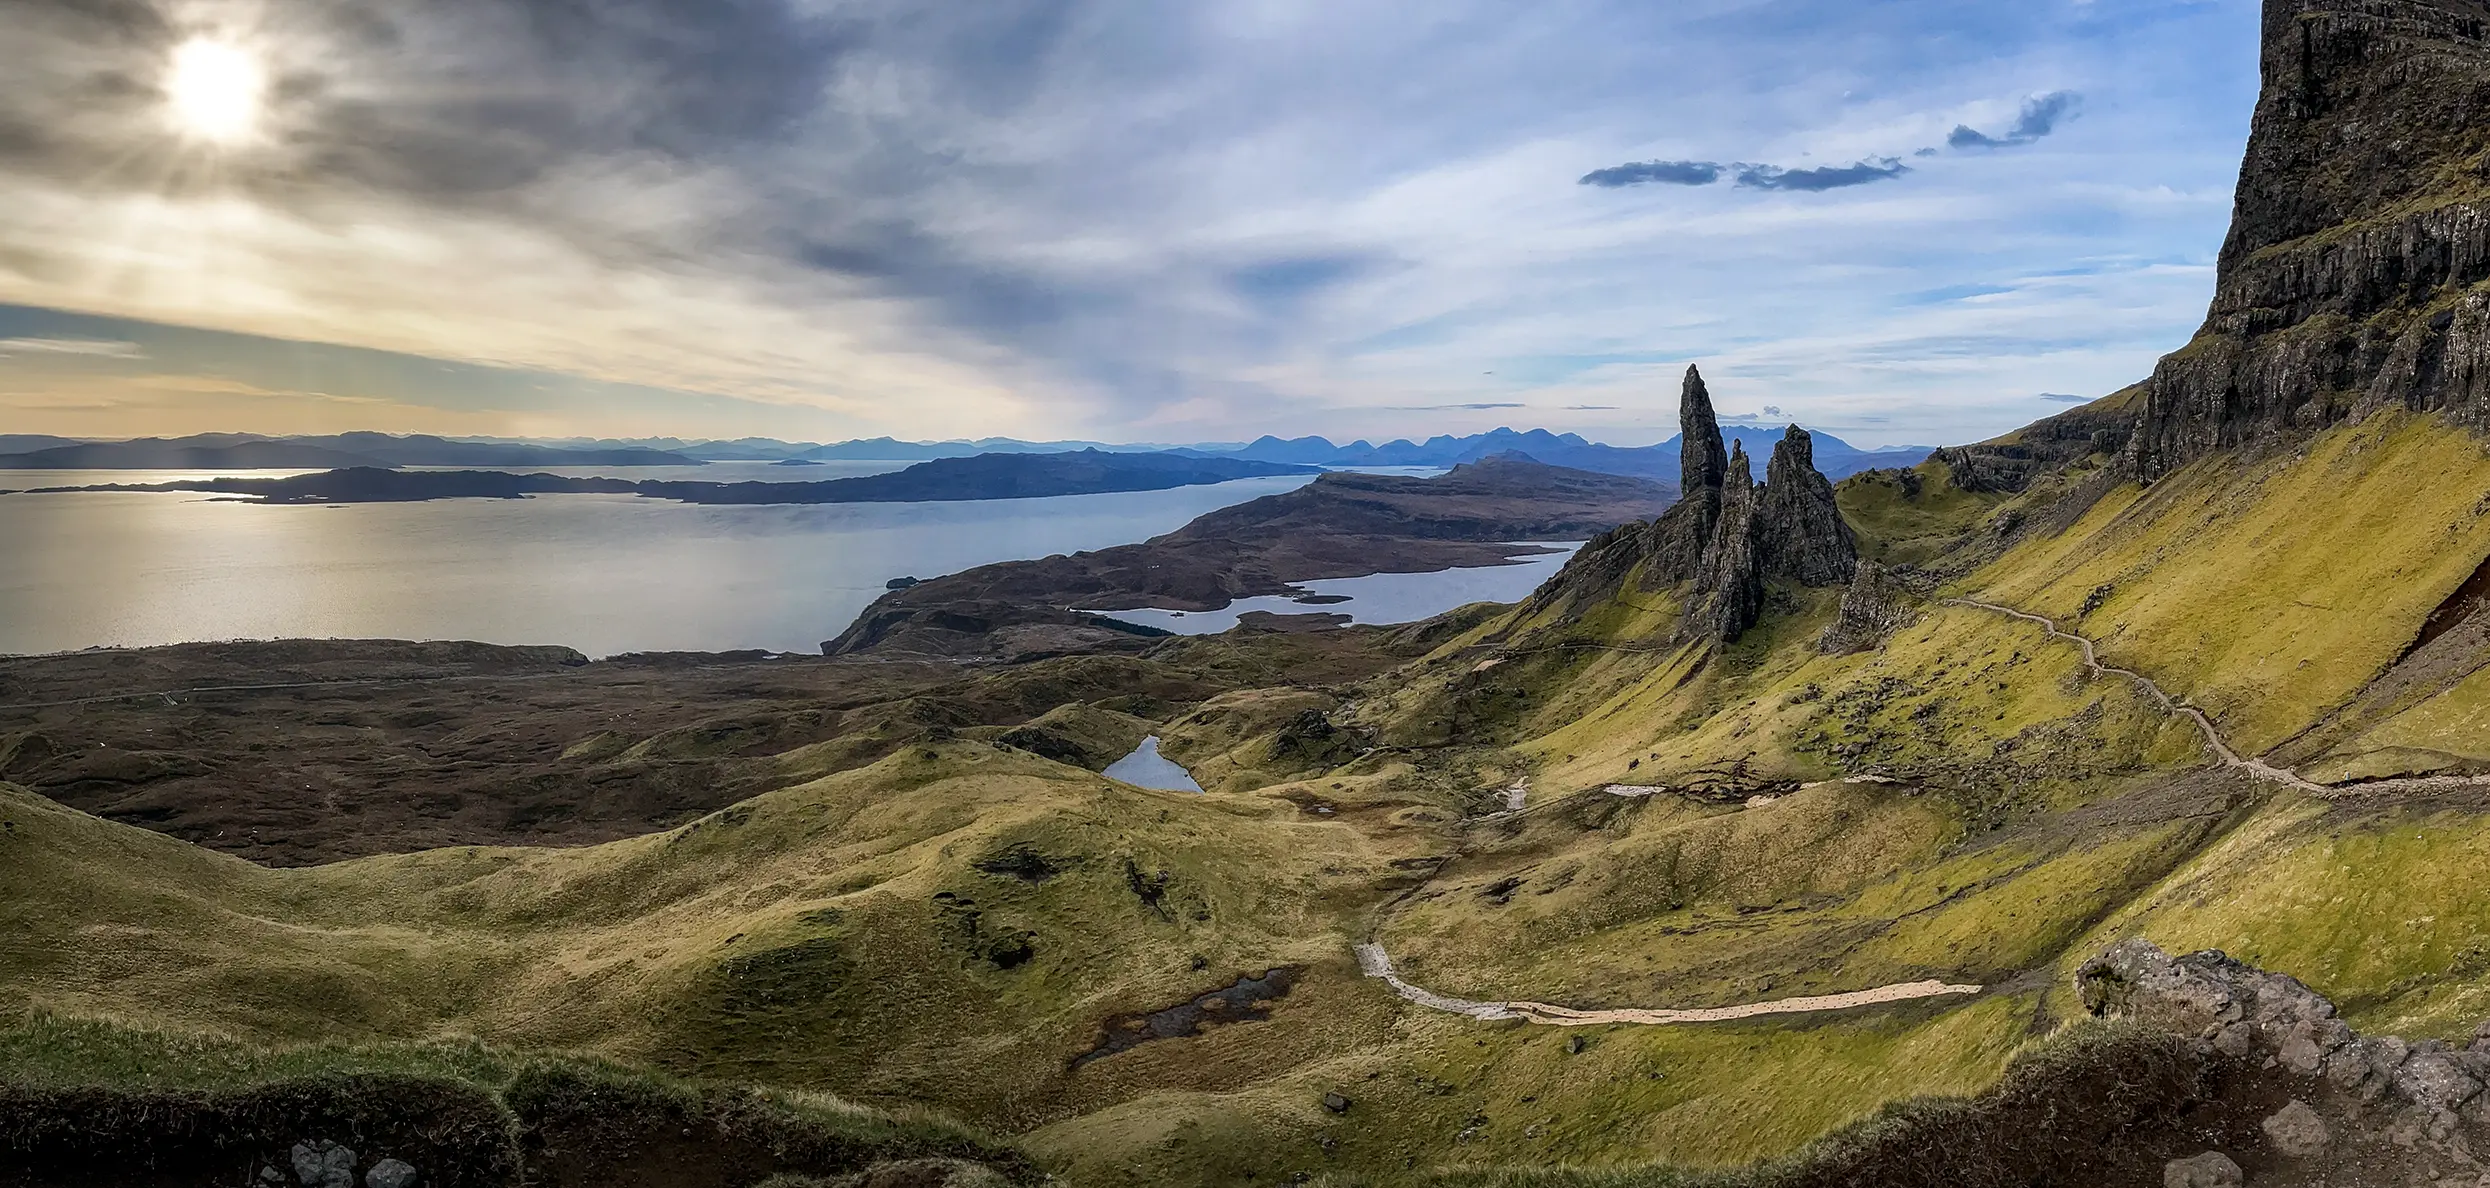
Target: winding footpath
1376	963
2253	767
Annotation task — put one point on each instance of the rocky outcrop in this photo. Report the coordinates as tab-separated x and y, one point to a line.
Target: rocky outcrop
1876	605
1728	594
1789	530
1703	467
1799	525
1725	539
2356	276
2366	1103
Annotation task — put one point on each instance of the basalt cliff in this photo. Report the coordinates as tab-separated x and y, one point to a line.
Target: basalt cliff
2356	275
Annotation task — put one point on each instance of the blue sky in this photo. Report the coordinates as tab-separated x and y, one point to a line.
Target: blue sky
1124	220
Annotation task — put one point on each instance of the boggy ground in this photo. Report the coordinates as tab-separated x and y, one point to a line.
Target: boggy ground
299	752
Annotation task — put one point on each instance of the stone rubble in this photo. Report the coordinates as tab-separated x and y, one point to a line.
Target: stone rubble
326	1164
2417	1097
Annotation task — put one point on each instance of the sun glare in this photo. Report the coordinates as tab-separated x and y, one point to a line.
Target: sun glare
214	90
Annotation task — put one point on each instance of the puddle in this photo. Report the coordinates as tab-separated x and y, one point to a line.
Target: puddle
1247	1001
1383	598
1146	768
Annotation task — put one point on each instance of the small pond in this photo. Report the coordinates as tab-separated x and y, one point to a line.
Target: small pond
1146	768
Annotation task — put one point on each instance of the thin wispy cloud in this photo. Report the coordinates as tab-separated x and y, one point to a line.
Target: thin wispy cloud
1821	178
99	348
1667	173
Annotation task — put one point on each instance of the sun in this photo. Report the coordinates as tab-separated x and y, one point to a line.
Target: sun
214	90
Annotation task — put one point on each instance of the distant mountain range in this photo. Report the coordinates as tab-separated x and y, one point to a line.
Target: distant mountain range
241	451
1835	457
985	476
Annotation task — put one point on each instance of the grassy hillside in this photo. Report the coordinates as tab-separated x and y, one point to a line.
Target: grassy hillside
947	926
2269	590
958	912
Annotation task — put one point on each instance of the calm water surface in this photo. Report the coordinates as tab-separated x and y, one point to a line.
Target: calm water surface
1384	598
604	574
1146	768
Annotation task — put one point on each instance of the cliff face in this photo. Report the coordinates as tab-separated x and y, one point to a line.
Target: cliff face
2356	275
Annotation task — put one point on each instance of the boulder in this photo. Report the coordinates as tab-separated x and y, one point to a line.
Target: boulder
390	1173
2435	1082
2297	1130
2212	1169
1875	605
323	1164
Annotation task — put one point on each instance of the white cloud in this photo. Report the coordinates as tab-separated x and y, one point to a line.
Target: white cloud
1082	218
97	348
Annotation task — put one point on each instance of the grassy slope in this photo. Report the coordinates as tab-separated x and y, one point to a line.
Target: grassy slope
2225	586
1450	1092
2377	906
2269	592
796	939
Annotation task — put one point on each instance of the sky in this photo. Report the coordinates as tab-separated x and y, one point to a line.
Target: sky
1915	221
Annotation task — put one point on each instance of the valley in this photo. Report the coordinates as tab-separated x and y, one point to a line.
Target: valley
2101	804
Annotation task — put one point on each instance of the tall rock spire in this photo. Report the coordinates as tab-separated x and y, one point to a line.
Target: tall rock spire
1728	594
1797	519
1702	463
1726	541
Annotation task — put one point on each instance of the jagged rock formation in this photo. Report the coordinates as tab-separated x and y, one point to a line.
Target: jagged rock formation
1805	539
1876	605
1702	465
1725	538
2372	1105
1729	578
2356	276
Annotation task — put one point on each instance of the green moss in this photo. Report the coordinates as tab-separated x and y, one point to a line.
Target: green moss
1909	522
2220	583
1460	1093
2379	909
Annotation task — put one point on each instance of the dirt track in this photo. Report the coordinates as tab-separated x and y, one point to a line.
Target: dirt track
1377	964
2214	742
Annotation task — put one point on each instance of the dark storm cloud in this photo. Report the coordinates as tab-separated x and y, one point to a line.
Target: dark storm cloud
1818	180
502	92
2041	116
457	98
1672	173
